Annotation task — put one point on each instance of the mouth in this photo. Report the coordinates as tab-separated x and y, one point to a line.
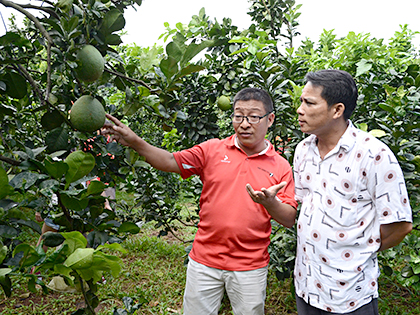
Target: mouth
245	134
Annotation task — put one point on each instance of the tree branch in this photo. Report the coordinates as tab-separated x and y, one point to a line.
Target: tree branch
9	160
32	83
46	10
43	31
127	78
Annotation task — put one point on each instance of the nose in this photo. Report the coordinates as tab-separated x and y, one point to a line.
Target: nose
246	122
300	110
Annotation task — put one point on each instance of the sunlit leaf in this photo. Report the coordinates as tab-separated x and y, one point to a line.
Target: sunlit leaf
80	164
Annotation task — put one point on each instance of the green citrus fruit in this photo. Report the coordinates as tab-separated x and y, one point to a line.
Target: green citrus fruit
223	102
87	114
91	64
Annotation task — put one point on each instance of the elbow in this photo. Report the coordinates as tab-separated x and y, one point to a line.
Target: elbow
408	228
289	224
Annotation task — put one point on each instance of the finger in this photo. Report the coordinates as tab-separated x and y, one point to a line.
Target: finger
281	185
113	119
273	190
250	190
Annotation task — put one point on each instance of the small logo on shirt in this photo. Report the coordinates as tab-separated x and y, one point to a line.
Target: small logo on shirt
271	174
225	160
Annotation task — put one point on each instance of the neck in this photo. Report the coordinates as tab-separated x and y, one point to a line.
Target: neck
251	150
327	141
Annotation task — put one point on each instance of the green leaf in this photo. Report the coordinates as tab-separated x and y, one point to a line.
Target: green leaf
175	51
65	4
3	253
363	126
131	107
113	246
57	139
4	271
407	272
363	66
105	262
8	231
90	274
74	240
5	188
81	258
49	186
95	187
387	270
80	164
30	255
113	21
169	67
15	85
387	107
65	271
25	180
194	49
128	227
5	281
5	109
52	239
15	39
96	238
113	39
377	133
73	202
191	69
31	224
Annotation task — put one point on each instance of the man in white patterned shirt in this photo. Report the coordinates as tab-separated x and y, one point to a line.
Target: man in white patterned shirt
353	198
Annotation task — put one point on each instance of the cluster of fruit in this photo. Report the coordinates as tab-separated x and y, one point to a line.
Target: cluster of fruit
87	113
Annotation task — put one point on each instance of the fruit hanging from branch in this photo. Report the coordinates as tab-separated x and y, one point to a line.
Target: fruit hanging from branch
87	114
91	64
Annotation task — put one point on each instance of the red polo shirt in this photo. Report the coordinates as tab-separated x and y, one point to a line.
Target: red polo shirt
234	231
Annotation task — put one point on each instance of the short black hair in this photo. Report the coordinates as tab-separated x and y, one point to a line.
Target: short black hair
338	86
256	94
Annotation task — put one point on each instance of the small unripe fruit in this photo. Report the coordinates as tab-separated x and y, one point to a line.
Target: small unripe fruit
223	102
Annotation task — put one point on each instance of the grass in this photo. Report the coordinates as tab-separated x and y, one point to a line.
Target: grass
154	273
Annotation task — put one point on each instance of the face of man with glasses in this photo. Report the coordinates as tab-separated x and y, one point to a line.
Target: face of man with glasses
251	122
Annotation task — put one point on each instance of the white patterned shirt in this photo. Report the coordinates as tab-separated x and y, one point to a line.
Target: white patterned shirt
344	199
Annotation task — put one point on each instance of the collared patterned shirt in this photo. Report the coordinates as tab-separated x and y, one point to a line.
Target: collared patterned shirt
344	199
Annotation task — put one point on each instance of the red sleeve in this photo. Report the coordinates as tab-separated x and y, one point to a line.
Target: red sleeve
191	161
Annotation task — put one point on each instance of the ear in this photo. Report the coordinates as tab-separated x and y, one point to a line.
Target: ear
270	119
338	110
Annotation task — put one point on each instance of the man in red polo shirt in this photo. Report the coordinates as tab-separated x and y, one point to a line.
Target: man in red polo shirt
230	247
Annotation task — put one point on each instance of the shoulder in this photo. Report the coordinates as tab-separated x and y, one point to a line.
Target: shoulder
305	144
370	143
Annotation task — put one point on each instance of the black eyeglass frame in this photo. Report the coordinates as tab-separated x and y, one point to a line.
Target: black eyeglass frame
247	118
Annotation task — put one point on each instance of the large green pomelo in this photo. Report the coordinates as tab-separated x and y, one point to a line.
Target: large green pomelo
87	114
91	64
223	102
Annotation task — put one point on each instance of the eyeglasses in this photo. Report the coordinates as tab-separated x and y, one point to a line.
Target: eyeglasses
238	119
